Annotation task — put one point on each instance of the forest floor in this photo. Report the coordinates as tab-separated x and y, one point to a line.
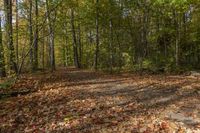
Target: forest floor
71	100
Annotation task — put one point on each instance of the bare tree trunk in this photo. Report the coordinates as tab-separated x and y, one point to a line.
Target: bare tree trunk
145	33
75	49
35	48
66	54
177	38
118	37
2	60
51	22
111	46
97	36
119	52
65	47
80	45
43	48
17	34
31	35
9	34
52	52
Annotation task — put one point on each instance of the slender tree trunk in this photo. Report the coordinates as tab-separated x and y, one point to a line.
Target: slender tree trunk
66	43
177	52
177	38
97	36
51	22
80	45
43	49
31	35
52	52
47	52
9	34
144	52
2	60
119	52
75	49
118	36
111	46
17	34
35	48
66	54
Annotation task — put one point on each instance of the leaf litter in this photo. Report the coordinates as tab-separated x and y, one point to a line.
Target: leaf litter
71	100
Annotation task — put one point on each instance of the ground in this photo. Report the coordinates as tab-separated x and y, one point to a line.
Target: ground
71	100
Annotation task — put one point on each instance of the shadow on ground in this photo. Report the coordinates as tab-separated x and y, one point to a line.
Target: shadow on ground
89	102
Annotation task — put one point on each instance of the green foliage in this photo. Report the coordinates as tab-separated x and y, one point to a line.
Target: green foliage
7	84
144	35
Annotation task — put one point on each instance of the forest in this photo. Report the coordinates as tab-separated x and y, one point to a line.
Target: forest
124	66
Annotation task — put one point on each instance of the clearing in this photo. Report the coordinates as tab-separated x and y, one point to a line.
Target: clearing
71	100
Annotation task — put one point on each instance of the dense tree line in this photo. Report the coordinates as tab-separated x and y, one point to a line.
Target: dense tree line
112	35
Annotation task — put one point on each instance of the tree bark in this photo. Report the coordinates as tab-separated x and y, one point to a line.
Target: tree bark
111	47
79	45
97	36
120	37
43	49
31	35
177	40
9	34
51	22
17	34
2	60
35	48
75	48
66	54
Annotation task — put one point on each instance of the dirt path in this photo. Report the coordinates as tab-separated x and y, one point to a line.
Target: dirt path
71	100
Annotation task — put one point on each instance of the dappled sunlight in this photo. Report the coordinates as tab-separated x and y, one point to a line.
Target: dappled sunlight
99	66
107	104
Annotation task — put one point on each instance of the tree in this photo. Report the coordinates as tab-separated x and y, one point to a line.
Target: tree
111	46
138	35
9	34
75	44
31	35
2	60
97	37
51	15
35	49
17	33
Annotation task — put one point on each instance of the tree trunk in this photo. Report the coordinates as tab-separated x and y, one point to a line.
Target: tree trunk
145	33
75	49
2	60
66	54
97	36
79	44
35	48
31	35
177	38
118	36
17	34
51	22
43	48
9	34
119	52
111	47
